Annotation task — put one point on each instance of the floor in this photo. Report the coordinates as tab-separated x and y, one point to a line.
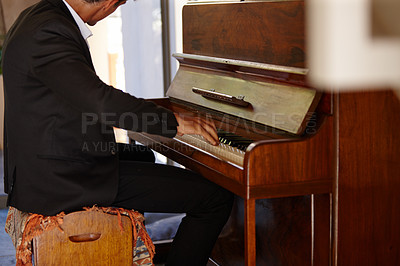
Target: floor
7	251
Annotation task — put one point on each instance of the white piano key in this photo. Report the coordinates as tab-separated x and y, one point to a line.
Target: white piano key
222	151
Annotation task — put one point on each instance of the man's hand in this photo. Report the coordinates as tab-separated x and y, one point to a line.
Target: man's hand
197	125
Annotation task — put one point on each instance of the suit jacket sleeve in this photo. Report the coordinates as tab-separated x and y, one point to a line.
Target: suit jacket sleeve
59	61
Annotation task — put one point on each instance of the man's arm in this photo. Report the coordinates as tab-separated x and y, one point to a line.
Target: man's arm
58	61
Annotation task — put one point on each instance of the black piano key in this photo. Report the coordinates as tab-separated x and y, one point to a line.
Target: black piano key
234	140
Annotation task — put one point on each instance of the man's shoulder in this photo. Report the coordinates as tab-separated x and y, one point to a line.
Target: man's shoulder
46	11
39	23
43	15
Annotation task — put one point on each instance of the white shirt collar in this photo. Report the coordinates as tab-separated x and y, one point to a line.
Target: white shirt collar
85	31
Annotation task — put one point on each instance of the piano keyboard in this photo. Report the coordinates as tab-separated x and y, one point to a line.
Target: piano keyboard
230	149
233	140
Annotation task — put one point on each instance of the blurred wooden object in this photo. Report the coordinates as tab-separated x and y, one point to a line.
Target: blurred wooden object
89	238
367	183
12	9
385	19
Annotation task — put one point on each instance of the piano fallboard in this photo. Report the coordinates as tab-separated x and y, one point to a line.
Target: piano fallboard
244	93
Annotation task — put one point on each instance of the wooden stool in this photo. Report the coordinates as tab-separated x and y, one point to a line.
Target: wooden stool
96	236
89	238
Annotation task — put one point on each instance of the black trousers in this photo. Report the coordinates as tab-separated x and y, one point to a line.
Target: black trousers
151	187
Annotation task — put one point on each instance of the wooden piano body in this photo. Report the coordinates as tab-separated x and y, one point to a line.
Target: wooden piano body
285	213
286	158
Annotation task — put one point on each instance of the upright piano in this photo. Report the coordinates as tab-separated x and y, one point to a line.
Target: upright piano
243	66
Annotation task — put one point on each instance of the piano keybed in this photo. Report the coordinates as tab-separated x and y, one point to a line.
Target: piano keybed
231	148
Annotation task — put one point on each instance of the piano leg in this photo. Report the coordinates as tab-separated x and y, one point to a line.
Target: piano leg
250	231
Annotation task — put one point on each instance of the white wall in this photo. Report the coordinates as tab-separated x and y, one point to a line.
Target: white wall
175	7
99	49
103	42
142	40
343	53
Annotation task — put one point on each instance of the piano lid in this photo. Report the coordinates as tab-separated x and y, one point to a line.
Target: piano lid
244	94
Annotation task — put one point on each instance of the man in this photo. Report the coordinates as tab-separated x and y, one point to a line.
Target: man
60	150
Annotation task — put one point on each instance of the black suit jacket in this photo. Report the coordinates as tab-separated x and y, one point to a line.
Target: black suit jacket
60	151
